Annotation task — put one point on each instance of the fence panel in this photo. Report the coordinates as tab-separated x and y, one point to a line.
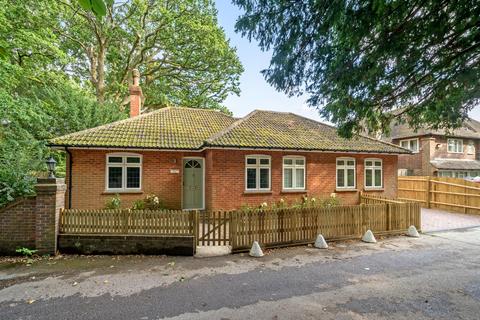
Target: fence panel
283	227
137	222
213	228
451	194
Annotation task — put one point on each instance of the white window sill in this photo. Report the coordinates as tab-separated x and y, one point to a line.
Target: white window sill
257	191
374	189
346	190
123	191
294	191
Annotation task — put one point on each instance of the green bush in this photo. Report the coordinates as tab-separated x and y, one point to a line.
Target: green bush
114	202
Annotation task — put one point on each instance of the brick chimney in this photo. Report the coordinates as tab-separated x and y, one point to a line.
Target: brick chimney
136	95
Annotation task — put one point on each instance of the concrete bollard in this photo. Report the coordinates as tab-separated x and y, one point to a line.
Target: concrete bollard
412	232
320	243
369	237
256	251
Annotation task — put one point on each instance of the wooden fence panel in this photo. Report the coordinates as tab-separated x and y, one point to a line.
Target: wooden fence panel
283	227
450	194
139	222
213	228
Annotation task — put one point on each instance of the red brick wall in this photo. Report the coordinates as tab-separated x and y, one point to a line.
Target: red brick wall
88	178
228	178
17	225
432	148
224	178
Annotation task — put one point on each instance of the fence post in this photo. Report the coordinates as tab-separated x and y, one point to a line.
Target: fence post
360	219
195	226
389	217
428	187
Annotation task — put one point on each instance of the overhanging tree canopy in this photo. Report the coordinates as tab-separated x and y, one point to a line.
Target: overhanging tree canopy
358	60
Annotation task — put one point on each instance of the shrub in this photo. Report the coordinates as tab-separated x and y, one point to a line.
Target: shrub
138	205
113	203
152	202
26	252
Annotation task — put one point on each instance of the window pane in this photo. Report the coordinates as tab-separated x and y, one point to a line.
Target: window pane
251	178
413	145
264	179
115	159
264	161
114	178
351	177
133	160
404	144
378	163
287	161
378	178
251	161
340	178
368	178
299	179
368	163
350	163
287	178
299	162
133	177
340	162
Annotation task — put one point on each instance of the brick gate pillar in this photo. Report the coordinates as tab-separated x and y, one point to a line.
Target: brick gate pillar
50	200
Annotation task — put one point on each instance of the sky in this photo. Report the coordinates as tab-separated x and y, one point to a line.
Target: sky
256	93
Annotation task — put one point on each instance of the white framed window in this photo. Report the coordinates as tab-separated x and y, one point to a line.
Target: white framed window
124	172
257	172
471	147
294	173
373	173
410	144
346	173
455	145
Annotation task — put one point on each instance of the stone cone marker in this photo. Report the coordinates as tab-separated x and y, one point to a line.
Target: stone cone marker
256	251
412	232
320	243
369	237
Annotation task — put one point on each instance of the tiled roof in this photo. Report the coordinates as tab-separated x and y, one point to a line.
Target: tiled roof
456	164
469	129
167	128
281	130
193	129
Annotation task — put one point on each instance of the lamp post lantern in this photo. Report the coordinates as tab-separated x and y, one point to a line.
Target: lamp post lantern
51	164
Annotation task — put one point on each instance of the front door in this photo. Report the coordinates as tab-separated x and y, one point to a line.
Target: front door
193	183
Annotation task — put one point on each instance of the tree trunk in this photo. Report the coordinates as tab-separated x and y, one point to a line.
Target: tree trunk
100	83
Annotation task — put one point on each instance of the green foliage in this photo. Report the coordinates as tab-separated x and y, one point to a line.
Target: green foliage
114	203
96	6
26	252
360	60
151	202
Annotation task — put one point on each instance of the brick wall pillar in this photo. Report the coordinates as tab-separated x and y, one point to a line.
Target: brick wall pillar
50	200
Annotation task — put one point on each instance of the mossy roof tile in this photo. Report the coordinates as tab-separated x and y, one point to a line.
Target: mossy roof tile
193	129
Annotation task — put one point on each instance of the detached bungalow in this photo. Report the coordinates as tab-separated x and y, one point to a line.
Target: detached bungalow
203	159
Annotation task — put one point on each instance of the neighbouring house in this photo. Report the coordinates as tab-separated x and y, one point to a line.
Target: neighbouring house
437	153
204	159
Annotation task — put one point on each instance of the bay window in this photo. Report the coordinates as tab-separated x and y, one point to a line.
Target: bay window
346	173
373	173
257	173
124	172
294	173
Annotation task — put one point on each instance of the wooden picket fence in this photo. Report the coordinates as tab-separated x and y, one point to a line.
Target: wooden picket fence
366	198
238	229
284	227
127	222
451	194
